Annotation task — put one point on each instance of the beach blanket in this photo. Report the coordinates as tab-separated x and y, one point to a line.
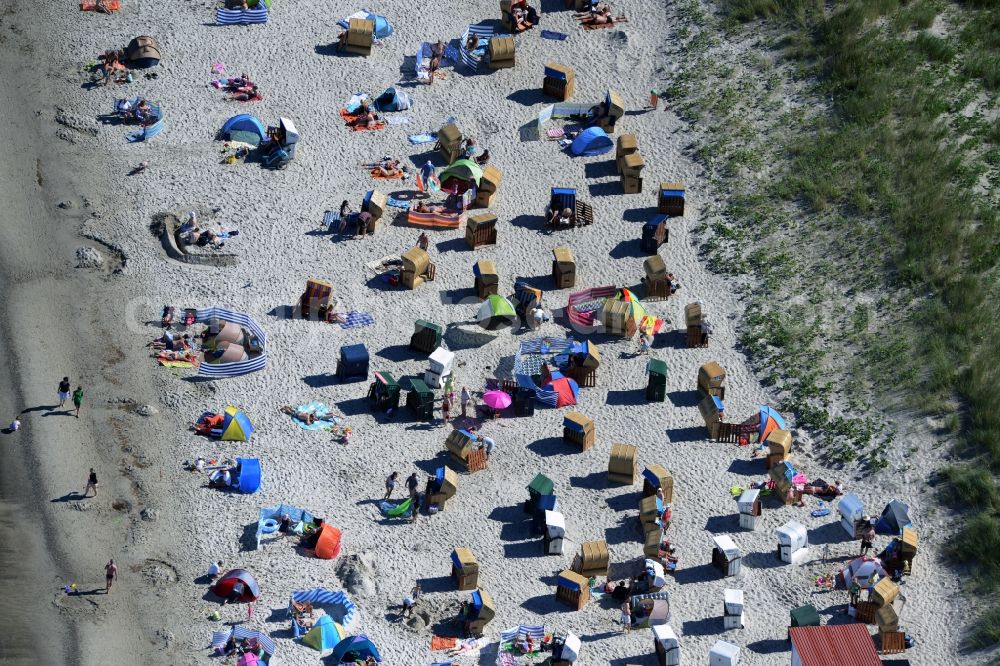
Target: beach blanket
351	117
356	319
417	139
393	510
551	34
377	175
105	6
443	643
324	419
397	203
176	364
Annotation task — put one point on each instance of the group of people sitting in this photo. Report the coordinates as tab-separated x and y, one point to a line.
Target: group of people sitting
524	17
191	233
242	88
599	14
560	218
111	63
141	113
365	116
363	221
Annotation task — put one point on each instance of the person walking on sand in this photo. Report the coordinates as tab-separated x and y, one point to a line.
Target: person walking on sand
91	483
110	575
78	399
63	391
412	484
867	538
390	485
626	618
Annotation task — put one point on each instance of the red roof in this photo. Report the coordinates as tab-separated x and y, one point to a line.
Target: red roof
834	645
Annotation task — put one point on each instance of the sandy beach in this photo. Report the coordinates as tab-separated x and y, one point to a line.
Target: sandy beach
163	525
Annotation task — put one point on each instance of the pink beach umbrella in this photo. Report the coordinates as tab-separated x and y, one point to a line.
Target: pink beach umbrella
496	400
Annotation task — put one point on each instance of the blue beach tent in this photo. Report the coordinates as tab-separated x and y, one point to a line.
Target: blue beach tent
591	141
245	128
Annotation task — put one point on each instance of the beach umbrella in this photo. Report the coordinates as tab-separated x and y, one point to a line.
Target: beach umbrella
497	399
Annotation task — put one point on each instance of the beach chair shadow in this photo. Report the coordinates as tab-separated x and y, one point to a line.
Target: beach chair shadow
624	502
543	604
623	532
549	446
722	524
699	574
535	222
829	533
605	169
628	398
684	398
594	480
639	214
453	245
437	584
527	96
607	189
320	380
703	627
768	646
758	560
690	434
397	353
627	249
745	467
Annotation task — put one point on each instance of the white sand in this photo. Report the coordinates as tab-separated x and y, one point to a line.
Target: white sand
275	212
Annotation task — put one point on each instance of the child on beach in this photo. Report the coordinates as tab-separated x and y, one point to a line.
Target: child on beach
78	399
390	485
15	425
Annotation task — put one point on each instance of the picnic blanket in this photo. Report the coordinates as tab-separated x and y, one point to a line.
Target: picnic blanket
552	34
324	418
397	203
105	6
356	319
351	117
417	139
176	364
443	643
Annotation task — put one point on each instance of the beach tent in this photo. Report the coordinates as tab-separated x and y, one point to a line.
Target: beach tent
328	545
496	312
247	477
142	52
456	177
393	100
224	586
244	128
864	570
566	389
894	518
359	645
236	426
383	28
227	366
325	634
265	645
337	605
591	141
770	420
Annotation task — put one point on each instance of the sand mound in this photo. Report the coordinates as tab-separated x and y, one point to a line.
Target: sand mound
88	257
357	574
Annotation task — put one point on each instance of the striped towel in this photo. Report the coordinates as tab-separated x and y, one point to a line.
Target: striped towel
330	218
357	319
551	34
225	16
417	139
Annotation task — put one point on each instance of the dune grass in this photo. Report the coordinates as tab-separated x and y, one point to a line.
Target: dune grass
885	181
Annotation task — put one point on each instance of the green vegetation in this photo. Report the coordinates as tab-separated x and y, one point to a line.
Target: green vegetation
858	149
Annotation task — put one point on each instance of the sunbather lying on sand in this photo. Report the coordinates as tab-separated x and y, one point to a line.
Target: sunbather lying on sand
602	17
308	418
365	119
421	207
187	355
388	168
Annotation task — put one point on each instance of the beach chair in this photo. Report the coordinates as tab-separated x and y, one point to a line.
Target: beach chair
539	487
449	142
384	392
631	170
460	443
481	229
617	318
626	144
565	197
553	526
489	182
316	299
446	484
360	36
558	81
654	234
480	612
622	464
487	282
501	52
426	336
464	569
656	283
711	377
374	204
563	268
670	200
697	330
417	268
656	477
353	363
656	385
572	589
593	559
579	430
420	400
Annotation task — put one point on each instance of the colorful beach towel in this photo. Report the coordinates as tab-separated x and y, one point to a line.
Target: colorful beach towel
356	319
324	419
417	139
552	34
176	364
394	510
397	203
443	643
